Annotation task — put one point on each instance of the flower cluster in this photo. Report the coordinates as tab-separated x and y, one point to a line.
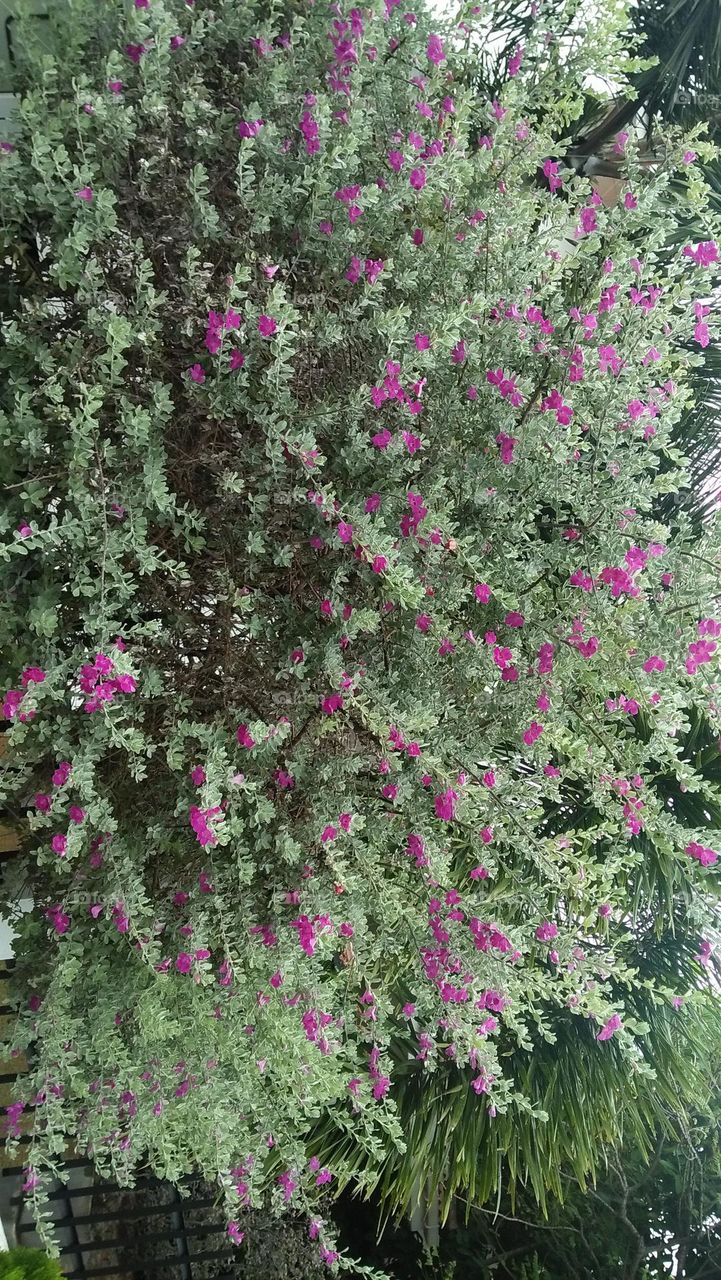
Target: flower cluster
99	683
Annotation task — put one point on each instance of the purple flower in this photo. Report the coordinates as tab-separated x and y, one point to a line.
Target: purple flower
614	1024
546	931
249	128
445	805
267	326
434	50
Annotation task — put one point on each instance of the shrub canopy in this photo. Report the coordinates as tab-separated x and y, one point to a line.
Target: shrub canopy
350	666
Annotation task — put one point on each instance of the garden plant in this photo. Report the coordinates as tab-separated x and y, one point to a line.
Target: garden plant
361	689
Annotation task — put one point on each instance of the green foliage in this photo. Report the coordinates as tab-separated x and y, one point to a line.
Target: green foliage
28	1264
639	1219
299	843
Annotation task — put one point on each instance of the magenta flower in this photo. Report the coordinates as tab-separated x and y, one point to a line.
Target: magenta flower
654	663
267	326
380	1088
412	442
244	737
588	221
382	439
135	52
308	126
418	178
200	820
196	373
532	733
613	1024
249	128
701	853
288	1184
546	932
121	920
11	704
32	675
434	50
550	171
506	445
61	774
58	919
514	62
84	193
445	805
705	253
373	268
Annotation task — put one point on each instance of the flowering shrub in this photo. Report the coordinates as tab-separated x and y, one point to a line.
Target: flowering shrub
335	575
